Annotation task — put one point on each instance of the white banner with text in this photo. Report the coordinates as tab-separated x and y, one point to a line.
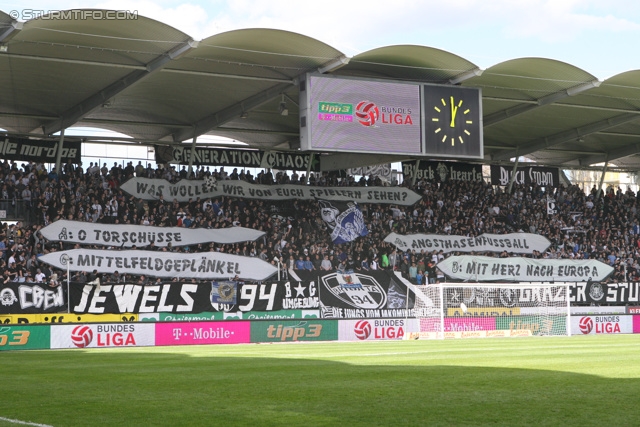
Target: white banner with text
124	235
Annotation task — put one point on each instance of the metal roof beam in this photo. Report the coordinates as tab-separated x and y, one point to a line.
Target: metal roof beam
466	76
252	131
10	32
499	116
559	138
610	155
354	160
219	118
334	64
234	111
75	113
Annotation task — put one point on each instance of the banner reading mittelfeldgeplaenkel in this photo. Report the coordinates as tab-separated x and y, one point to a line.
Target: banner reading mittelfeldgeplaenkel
199	265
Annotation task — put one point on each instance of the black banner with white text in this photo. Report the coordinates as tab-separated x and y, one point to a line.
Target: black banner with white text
177	297
240	158
31	298
32	150
527	175
359	295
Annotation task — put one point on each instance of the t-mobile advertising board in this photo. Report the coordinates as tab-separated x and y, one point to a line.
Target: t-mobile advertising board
195	333
102	335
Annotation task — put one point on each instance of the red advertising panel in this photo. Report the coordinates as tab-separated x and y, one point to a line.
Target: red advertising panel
636	324
196	333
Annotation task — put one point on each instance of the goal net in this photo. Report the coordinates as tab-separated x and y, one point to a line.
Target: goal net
466	310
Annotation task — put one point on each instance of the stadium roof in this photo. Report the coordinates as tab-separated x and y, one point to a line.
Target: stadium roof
156	84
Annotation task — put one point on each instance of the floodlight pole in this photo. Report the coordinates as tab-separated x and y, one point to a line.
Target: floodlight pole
276	259
67	260
59	153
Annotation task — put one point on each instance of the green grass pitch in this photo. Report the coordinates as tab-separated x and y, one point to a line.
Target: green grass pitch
576	381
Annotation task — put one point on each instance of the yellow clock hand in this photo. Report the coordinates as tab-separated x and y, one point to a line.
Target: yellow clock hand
454	110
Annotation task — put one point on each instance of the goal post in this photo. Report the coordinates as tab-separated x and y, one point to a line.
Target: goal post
465	310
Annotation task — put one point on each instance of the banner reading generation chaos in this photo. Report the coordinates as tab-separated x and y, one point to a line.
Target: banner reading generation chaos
240	158
520	243
123	235
184	190
482	268
199	265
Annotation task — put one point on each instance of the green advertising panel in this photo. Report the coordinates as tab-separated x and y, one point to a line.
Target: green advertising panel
219	315
297	330
538	325
25	337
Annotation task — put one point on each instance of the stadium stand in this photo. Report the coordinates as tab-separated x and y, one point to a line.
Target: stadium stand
584	227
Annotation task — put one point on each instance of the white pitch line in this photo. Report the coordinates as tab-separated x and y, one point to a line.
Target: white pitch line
24	423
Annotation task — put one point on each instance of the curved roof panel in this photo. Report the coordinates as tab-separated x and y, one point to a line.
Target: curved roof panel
408	62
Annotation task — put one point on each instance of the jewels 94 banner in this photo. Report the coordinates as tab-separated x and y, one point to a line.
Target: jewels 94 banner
176	297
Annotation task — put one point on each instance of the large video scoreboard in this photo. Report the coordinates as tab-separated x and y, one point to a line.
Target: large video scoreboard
339	114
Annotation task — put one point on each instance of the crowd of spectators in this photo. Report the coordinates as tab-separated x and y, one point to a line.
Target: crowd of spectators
585	226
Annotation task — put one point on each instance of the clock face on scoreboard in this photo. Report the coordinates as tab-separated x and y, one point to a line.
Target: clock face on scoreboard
452	117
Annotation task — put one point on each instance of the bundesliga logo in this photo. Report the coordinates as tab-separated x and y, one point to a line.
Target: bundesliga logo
82	336
368	114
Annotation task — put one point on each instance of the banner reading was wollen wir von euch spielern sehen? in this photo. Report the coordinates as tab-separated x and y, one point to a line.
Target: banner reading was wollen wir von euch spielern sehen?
200	265
184	190
124	235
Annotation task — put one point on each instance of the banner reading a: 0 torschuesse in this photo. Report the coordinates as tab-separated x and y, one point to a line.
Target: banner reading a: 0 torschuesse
25	337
